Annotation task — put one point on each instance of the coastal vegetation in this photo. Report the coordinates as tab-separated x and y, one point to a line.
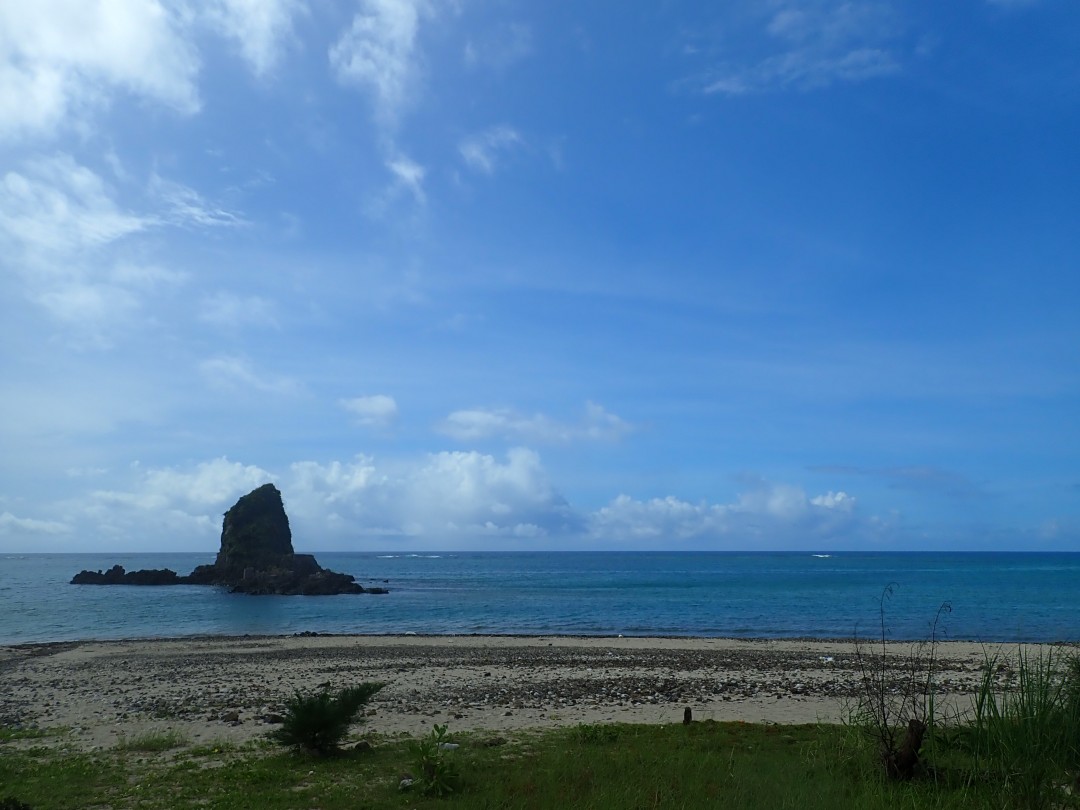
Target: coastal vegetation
984	763
318	722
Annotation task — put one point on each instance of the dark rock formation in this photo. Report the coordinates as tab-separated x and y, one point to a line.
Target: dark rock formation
118	576
256	557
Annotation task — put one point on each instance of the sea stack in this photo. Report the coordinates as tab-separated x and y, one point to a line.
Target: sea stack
256	557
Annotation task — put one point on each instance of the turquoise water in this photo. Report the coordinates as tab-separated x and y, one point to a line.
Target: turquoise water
994	597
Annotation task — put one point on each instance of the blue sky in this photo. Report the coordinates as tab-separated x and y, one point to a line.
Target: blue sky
484	274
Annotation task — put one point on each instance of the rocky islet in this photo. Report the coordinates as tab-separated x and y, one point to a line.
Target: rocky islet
256	557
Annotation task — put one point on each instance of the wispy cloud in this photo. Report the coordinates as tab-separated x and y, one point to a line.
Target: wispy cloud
11	524
486	423
806	46
54	205
377	411
65	232
184	206
919	478
483	150
408	176
58	224
238	373
231	311
500	48
262	29
378	54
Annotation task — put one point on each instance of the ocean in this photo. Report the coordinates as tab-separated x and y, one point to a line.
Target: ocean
994	597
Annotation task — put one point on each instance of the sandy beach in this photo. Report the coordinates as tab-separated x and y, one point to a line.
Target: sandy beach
230	689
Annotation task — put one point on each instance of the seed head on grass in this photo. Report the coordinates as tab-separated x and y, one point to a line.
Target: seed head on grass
318	722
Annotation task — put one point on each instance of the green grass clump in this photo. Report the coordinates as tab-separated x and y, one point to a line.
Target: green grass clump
153	742
1024	734
318	722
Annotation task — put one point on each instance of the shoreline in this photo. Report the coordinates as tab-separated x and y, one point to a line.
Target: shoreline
867	639
228	688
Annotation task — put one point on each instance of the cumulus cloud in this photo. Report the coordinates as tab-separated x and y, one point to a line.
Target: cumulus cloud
442	498
811	45
61	59
210	484
768	515
483	150
474	492
486	423
378	53
445	497
378	411
464	499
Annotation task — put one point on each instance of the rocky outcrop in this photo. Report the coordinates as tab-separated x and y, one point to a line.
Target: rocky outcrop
256	557
118	576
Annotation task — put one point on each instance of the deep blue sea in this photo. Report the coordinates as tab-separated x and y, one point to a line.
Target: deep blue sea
994	597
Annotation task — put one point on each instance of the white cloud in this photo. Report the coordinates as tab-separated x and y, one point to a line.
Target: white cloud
61	59
10	524
58	220
482	150
211	484
812	45
769	514
261	28
484	423
408	175
230	311
834	500
54	205
378	53
183	206
64	233
237	373
451	498
474	492
377	411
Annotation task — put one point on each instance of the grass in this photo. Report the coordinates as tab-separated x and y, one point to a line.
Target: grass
1018	747
152	742
619	766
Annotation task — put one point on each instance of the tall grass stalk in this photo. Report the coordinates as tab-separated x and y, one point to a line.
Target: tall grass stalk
1027	733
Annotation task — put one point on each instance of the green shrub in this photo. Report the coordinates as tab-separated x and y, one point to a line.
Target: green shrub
318	722
435	773
11	803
